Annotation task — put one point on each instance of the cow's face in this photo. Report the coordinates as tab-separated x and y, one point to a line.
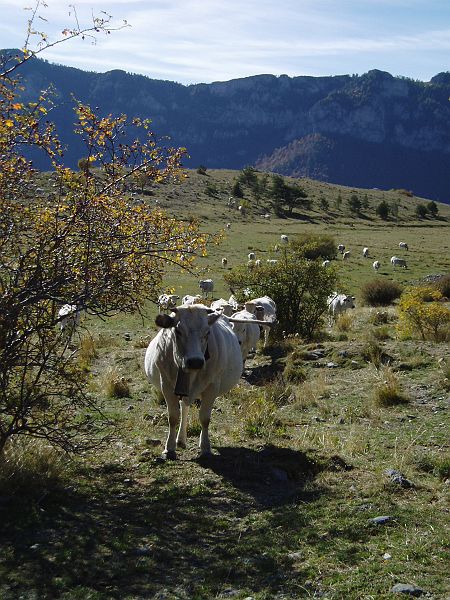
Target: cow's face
349	302
191	327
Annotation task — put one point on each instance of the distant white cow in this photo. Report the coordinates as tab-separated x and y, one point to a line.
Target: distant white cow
195	356
189	300
326	263
272	261
242	210
69	318
365	252
338	304
284	238
267	311
398	262
376	265
251	256
228	225
267	216
341	248
247	333
223	306
224	262
258	262
346	255
167	301
207	286
403	245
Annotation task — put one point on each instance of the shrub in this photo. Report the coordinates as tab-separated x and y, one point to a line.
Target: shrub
443	285
299	287
381	333
344	322
201	170
380	292
421	211
379	317
429	320
383	210
313	246
294	370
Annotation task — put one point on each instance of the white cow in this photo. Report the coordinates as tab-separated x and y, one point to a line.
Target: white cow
195	356
346	255
228	225
224	262
284	238
69	318
326	263
267	311
376	265
247	333
188	300
167	301
272	261
223	306
258	262
251	256
341	248
366	252
207	286
403	245
242	210
338	304
398	262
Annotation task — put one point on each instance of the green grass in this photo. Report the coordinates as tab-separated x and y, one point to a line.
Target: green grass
282	509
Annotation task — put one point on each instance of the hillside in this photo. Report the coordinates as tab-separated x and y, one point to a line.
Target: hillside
372	130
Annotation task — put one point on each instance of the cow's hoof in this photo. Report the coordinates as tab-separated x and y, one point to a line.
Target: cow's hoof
181	444
169	455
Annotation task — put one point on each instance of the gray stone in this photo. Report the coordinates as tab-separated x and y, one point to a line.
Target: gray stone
380	520
332	365
407	588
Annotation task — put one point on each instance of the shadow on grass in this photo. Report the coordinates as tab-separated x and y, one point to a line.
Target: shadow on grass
186	529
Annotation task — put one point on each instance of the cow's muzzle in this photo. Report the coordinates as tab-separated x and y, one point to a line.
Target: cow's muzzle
194	364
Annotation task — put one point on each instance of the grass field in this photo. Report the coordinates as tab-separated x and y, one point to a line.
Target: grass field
287	507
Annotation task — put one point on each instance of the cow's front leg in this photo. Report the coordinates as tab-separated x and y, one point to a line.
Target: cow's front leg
173	412
208	397
182	432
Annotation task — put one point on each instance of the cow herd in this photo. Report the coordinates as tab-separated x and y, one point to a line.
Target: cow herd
395	260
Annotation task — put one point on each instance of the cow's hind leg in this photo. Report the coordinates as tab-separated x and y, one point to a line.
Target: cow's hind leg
182	432
208	397
173	410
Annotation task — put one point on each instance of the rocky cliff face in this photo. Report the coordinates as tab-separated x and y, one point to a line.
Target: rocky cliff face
371	130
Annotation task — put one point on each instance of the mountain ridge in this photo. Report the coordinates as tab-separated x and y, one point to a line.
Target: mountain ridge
256	120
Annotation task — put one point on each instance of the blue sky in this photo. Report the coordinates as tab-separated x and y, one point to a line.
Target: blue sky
192	41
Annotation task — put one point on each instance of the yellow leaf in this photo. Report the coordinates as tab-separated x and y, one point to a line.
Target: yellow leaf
9	123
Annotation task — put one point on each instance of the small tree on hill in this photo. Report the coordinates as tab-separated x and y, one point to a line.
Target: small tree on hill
433	208
421	211
383	210
299	286
236	190
354	204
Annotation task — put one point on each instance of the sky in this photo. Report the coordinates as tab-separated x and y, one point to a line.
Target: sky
201	41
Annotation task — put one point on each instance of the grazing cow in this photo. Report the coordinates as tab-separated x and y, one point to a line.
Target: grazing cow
251	256
267	312
188	300
228	225
258	262
267	216
341	248
167	301
326	263
338	304
346	255
69	318
223	306
247	333
272	261
284	238
376	265
276	248
242	210
207	286
224	262
195	356
366	252
403	245
398	262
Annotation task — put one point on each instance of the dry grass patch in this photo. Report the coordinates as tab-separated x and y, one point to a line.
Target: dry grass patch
114	385
389	392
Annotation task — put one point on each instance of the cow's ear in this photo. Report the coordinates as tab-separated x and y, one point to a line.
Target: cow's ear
163	320
212	317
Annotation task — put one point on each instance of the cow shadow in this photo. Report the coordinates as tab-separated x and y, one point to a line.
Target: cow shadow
271	475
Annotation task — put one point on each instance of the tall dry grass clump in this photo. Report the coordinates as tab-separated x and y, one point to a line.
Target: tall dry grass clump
389	392
380	292
114	385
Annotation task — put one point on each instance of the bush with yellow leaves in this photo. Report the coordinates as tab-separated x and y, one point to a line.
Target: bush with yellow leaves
422	314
